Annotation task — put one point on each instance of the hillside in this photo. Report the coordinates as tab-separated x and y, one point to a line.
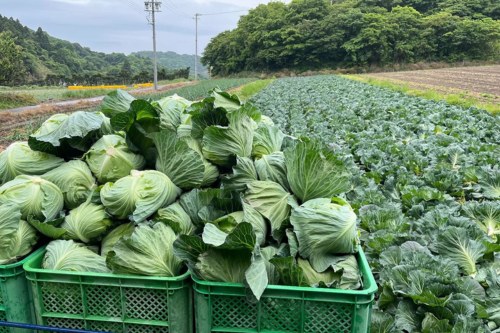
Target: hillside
315	34
174	60
46	57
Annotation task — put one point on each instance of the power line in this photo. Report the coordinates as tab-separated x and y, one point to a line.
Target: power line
176	12
178	9
234	11
132	7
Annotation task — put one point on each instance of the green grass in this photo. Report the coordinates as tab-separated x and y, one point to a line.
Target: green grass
200	90
164	82
10	100
252	89
455	99
86	93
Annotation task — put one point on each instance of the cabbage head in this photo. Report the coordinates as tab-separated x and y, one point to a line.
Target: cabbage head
139	195
324	229
124	230
66	255
176	218
17	237
223	266
110	159
171	109
35	196
86	222
51	124
75	181
18	159
149	251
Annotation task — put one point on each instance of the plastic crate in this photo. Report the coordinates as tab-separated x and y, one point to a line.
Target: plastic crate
223	307
16	303
110	302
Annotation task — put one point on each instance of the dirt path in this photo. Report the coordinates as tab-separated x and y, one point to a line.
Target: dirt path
92	100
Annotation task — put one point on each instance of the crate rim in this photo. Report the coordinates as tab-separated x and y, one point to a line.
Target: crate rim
19	264
30	269
365	292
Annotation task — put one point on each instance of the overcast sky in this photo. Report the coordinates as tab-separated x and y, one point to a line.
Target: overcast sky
114	26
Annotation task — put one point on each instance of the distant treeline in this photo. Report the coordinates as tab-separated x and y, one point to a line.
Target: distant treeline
99	79
313	34
28	56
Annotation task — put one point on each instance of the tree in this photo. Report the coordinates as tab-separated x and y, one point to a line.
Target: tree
126	71
42	39
12	69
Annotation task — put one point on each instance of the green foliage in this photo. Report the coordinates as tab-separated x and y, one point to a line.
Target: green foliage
309	34
425	185
12	70
52	61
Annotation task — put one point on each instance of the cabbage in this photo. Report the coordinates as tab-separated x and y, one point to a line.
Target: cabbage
17	237
171	109
110	159
75	181
176	218
223	266
149	251
66	255
35	196
139	195
18	159
324	229
86	222
114	236
51	124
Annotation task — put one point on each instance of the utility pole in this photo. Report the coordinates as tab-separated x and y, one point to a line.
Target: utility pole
196	18
154	6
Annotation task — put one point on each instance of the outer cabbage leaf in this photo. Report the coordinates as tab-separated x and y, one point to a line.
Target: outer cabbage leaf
110	159
149	251
315	279
223	265
17	237
211	173
18	159
270	200
315	173
225	100
176	218
243	173
325	229
486	214
107	243
66	255
73	136
266	140
51	124
139	195
267	254
75	181
177	160
289	272
35	196
456	244
221	145
272	168
86	222
115	102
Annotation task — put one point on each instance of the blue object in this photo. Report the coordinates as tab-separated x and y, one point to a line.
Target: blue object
43	328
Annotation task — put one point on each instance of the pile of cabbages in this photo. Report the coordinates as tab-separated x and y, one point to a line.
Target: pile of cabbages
157	188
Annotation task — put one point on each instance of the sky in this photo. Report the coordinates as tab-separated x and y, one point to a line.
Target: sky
121	25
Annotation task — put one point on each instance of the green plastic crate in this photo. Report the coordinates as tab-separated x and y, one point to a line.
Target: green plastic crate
110	302
223	307
16	303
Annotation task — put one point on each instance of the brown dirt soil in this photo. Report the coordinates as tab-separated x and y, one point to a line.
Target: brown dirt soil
10	122
473	81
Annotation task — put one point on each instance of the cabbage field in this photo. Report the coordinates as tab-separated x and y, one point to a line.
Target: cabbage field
425	183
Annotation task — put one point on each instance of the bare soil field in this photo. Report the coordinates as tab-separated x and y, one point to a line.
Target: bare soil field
482	82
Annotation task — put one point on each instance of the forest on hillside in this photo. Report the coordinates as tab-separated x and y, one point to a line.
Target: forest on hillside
35	57
316	34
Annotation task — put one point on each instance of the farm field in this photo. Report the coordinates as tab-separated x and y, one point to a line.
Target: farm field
15	127
481	82
425	184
